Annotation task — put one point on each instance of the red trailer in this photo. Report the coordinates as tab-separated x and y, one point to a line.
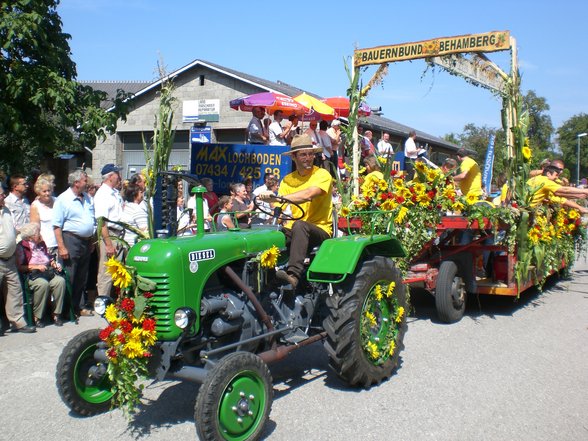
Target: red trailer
450	269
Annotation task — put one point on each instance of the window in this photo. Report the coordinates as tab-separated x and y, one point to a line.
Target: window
133	141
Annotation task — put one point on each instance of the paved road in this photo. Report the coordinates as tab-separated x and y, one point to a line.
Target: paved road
507	371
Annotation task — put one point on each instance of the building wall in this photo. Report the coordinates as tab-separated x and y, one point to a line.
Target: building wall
142	118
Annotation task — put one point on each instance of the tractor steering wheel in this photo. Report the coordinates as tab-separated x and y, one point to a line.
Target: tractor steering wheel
280	215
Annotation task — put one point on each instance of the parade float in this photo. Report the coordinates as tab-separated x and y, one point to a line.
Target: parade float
511	246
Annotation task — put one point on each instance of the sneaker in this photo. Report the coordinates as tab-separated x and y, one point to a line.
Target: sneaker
288	278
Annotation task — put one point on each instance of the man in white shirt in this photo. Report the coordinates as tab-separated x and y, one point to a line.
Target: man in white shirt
411	153
277	134
19	206
108	204
384	146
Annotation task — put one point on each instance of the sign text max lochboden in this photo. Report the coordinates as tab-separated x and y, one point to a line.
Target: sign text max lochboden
488	42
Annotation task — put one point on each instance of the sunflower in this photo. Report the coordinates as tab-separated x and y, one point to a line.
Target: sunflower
371	319
401	215
373	350
527	154
269	257
119	273
471	199
344	212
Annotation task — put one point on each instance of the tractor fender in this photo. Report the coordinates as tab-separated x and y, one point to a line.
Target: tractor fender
338	257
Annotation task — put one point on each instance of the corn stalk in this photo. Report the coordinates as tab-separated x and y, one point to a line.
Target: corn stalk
157	155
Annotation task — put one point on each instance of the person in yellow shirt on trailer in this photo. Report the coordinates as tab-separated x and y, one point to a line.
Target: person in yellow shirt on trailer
548	190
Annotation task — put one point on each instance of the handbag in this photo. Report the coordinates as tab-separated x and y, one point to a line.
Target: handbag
48	274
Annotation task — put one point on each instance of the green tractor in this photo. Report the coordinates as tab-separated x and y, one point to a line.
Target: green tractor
222	318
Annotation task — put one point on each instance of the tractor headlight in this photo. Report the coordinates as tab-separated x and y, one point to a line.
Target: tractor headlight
101	303
184	317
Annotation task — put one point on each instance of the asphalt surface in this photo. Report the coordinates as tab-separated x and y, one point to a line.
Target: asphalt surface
509	370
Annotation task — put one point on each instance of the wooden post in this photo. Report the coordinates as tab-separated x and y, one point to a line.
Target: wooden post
355	153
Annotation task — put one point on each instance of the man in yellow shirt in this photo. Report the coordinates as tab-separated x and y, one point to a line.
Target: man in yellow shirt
469	178
547	190
311	188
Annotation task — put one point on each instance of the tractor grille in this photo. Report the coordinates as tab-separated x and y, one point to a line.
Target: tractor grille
160	302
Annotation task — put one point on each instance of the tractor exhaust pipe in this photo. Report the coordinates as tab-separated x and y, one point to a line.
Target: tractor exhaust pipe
281	352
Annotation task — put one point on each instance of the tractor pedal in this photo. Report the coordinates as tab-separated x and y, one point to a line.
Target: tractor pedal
296	336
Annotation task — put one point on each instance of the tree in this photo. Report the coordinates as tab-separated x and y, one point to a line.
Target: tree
540	129
44	110
568	142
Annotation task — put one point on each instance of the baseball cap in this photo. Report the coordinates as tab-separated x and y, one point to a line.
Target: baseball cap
109	168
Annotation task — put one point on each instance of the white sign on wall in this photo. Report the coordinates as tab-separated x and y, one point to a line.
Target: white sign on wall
200	110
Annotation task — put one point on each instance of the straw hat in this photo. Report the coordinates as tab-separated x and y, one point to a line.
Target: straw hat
302	142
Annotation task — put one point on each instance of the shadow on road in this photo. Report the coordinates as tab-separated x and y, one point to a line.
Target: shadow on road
478	306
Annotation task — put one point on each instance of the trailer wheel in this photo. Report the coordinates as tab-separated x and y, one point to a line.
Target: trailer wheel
450	293
235	400
82	382
366	323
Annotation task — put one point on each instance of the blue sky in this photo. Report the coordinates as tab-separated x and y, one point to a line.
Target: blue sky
304	44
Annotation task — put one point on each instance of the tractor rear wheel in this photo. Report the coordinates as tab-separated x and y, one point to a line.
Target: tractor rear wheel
366	323
235	400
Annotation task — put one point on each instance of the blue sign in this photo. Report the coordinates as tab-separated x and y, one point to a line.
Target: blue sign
231	163
200	134
488	166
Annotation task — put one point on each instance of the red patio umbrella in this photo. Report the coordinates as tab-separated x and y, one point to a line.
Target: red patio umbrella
341	106
271	101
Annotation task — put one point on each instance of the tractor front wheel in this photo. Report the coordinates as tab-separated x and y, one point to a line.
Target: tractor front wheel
235	400
82	381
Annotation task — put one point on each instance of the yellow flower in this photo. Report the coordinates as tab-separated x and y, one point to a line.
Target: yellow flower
344	212
457	206
371	318
111	313
424	199
573	214
133	349
383	185
420	166
401	215
378	293
388	205
399	314
269	257
373	350
449	192
471	199
527	153
534	235
432	174
390	289
399	183
382	160
120	276
392	348
419	188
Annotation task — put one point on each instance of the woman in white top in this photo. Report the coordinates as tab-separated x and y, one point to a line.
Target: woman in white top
134	212
42	212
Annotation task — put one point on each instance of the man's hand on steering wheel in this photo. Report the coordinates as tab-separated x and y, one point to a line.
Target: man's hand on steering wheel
268	196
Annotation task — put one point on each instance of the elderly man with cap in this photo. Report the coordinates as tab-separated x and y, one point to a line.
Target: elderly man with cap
108	204
310	187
